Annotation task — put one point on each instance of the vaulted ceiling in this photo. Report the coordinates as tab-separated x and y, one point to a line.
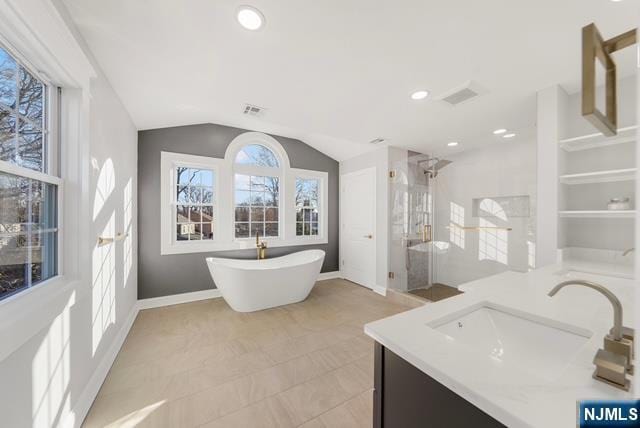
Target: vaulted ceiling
338	73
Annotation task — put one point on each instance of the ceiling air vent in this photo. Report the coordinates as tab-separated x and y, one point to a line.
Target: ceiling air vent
251	110
377	141
462	94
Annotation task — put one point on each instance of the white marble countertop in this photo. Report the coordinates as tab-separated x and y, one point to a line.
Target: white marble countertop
507	392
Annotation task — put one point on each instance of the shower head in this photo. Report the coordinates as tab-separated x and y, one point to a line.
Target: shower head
434	165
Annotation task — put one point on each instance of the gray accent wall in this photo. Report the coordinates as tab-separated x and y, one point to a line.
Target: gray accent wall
174	274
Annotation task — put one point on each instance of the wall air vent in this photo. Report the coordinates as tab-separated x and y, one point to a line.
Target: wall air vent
462	94
251	110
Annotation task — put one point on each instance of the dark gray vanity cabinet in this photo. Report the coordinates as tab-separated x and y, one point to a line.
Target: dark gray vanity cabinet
405	397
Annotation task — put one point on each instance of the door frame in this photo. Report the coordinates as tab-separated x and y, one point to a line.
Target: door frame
374	171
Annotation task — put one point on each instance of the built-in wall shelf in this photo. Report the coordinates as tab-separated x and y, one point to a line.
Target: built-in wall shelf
599	214
628	174
592	141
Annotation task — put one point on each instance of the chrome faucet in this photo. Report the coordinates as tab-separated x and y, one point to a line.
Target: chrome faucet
615	360
630	250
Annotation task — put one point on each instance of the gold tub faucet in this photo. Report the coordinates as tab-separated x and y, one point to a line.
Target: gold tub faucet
261	247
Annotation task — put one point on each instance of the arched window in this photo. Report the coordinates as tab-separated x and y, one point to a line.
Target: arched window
258	177
257	155
217	204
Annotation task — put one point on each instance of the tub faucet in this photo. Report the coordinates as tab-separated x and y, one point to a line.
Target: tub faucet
261	247
629	251
615	360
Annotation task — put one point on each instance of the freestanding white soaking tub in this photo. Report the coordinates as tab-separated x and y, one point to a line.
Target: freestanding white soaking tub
252	285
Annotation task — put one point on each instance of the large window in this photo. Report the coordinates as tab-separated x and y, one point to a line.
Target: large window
256	209
256	192
194	204
28	179
216	204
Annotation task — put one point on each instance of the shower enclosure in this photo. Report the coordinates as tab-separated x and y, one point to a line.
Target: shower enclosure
452	224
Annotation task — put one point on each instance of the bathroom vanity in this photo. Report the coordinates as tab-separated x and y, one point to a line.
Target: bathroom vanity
497	354
406	397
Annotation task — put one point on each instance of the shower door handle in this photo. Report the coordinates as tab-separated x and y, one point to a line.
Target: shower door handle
426	233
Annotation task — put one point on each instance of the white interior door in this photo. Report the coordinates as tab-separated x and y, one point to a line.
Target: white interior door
358	221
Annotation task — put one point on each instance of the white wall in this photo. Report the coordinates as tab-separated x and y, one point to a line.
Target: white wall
378	159
552	103
66	333
497	170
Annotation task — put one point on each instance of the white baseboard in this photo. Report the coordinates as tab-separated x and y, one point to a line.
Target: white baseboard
380	290
176	299
90	392
329	275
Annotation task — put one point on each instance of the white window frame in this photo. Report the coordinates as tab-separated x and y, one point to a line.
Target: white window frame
224	213
170	162
51	154
236	146
323	200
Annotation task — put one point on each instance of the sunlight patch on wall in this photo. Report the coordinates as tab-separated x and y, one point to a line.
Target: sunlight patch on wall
456	231
103	286
104	187
127	245
51	370
493	244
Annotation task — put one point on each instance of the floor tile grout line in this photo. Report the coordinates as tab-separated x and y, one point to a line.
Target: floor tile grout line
290	388
336	406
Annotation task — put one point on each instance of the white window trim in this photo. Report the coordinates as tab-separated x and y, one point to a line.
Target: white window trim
224	204
169	163
52	149
49	45
323	200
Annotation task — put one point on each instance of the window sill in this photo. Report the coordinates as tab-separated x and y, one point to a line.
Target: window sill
25	314
244	244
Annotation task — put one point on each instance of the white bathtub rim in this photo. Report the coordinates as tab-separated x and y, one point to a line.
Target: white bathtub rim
273	263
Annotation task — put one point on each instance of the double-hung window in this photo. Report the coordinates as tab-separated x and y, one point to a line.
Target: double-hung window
257	176
190	196
307	206
29	181
194	203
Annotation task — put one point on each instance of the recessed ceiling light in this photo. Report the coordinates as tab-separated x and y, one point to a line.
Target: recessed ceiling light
419	95
452	144
508	135
499	131
250	18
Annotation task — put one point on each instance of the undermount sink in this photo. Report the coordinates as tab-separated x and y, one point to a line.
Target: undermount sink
537	345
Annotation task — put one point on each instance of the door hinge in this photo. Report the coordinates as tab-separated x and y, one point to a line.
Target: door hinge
392	174
392	275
